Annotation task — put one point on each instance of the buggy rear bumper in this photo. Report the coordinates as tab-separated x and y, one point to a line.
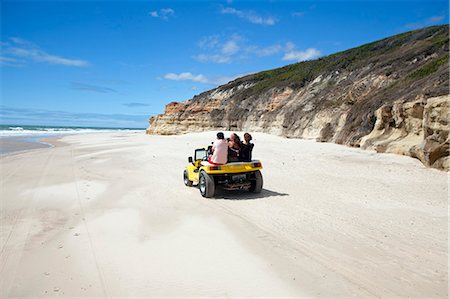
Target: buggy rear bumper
231	168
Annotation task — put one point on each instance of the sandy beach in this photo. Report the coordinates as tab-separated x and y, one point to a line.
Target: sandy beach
108	215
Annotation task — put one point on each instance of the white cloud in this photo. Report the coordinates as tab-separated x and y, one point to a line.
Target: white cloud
249	16
27	51
214	58
289	46
167	11
209	42
234	48
219	51
163	13
427	22
20	41
260	20
40	56
233	11
307	54
290	53
186	76
8	61
230	47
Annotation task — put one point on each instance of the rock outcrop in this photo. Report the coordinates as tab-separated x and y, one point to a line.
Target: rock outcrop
390	95
418	129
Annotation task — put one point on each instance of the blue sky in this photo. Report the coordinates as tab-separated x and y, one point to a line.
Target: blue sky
115	63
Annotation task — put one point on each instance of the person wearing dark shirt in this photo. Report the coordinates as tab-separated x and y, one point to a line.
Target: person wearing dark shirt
234	143
245	153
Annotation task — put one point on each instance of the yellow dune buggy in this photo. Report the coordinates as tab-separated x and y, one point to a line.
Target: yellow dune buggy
231	176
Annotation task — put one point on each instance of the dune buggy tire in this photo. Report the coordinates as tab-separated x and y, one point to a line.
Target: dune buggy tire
186	180
206	185
257	184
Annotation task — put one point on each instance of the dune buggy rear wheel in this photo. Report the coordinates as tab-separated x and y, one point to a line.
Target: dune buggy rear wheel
206	185
257	183
186	180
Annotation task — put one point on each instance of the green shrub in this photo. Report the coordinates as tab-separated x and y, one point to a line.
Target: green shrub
429	68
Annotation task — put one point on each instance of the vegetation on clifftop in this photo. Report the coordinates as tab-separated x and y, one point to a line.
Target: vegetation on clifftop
385	52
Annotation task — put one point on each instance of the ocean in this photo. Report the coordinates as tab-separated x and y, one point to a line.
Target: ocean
19	138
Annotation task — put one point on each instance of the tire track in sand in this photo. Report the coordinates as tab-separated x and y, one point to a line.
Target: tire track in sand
83	218
22	231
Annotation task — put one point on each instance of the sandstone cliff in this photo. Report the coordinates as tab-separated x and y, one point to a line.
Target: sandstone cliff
390	95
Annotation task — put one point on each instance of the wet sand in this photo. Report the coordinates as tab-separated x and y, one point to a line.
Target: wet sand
9	145
107	215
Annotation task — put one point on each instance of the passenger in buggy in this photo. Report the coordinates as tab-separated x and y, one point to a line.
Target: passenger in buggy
219	151
234	147
246	148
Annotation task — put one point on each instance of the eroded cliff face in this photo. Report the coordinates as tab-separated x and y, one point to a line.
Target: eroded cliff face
391	96
418	129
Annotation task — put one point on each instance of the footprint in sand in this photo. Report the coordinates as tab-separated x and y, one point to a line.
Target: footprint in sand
60	246
76	234
56	290
46	273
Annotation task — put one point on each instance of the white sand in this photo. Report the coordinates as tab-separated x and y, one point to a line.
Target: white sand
107	215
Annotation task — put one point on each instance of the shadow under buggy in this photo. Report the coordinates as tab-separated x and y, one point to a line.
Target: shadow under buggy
230	176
